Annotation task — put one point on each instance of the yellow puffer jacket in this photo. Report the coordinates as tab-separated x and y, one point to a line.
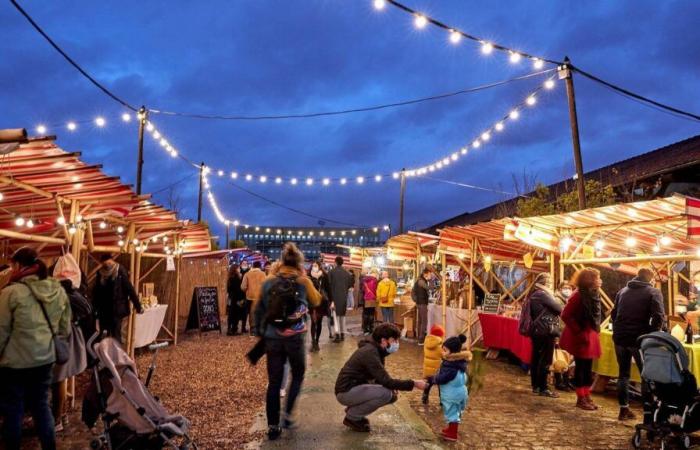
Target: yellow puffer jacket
432	355
386	292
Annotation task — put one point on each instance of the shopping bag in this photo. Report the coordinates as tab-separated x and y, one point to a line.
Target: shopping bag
67	269
335	322
560	361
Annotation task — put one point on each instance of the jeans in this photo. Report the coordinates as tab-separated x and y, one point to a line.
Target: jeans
279	351
364	399
542	353
388	314
583	372
422	321
368	315
624	361
27	388
316	326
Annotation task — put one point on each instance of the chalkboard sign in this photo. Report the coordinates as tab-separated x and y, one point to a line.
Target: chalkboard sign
492	302
204	310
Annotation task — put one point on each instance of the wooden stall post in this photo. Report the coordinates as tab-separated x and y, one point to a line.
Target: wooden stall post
443	287
472	256
669	270
130	327
178	266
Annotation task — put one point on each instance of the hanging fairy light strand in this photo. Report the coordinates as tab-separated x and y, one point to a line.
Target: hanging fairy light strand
455	35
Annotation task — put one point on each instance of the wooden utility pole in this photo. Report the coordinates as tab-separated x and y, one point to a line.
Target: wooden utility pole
228	225
201	186
402	200
142	116
566	73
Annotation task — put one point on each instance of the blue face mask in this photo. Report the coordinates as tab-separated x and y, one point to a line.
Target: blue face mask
393	347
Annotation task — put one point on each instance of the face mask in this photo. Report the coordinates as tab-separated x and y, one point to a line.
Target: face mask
315	272
566	293
393	347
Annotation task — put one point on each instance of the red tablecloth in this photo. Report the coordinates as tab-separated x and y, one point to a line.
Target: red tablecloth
502	333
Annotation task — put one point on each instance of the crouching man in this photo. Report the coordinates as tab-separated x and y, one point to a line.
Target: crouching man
363	384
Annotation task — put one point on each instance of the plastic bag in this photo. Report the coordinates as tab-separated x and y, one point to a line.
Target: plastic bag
67	269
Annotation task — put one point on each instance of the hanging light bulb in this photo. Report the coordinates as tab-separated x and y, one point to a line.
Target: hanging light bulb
100	122
537	63
599	244
263	179
19	221
120	229
343	181
665	240
514	114
476	144
72	229
1	196
630	242
515	57
278	180
79	218
41	129
234	175
531	100
377	178
72	126
326	181
420	21
120	243
485	136
30	223
220	173
379	4
549	84
150	127
309	181
455	36
565	243
156	134
486	48
61	220
173	153
126	117
360	180
656	248
293	181
135	241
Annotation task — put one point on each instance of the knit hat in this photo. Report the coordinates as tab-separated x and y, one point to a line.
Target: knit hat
437	330
454	344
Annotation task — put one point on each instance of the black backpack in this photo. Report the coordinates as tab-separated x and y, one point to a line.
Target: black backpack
283	303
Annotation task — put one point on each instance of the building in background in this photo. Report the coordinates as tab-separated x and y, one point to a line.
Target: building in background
312	241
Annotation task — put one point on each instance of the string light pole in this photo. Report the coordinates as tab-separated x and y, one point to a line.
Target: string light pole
566	73
402	200
201	185
228	226
142	116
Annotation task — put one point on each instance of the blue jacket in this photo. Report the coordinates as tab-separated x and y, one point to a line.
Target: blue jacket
452	377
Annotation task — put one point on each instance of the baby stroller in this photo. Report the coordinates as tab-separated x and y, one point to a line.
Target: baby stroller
133	419
671	409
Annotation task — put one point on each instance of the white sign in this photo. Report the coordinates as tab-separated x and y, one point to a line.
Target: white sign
170	264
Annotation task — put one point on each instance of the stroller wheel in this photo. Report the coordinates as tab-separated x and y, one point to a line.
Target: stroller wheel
96	444
685	441
637	439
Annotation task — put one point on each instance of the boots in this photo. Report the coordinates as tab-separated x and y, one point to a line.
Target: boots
450	433
626	414
589	399
582	401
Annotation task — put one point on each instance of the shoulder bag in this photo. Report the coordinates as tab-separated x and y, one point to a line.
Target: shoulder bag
60	345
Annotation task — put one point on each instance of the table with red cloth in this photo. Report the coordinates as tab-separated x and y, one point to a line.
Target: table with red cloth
501	332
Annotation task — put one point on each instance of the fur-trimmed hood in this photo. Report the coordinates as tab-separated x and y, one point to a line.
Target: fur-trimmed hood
465	355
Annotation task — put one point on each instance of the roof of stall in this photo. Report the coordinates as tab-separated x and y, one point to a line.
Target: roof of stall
405	246
40	181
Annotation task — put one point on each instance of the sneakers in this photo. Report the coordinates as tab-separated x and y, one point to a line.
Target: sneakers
337	339
626	414
361	426
342	336
288	423
274	433
548	393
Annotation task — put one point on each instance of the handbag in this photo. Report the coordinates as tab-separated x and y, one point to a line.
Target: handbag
546	325
60	345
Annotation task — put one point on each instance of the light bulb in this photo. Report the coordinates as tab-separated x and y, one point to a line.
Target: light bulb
263	179
379	4
499	126
126	117
514	114
248	177
135	241
100	122
485	136
72	229
446	161
531	100
630	242
537	63
486	48
377	178
19	221
697	252
1	196
431	168
549	84
665	240
476	144
150	127
565	243
30	223
173	153
455	156
455	36
236	223
71	126
61	220
386	227
220	173
420	21
375	229
515	57
120	229
343	181
438	165
156	134
293	181
309	181
463	151
360	180
234	175
599	244
278	180
656	248
326	181
395	175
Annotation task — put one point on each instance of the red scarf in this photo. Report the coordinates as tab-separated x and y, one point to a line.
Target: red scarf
24	272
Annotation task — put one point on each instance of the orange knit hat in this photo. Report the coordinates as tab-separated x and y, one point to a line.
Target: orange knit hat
437	330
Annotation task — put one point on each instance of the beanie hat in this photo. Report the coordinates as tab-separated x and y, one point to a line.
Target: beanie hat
454	344
437	330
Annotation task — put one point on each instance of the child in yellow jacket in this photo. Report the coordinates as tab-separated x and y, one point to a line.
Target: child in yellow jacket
432	356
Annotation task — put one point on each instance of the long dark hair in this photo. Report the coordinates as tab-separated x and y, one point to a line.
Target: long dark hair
585	280
28	257
233	271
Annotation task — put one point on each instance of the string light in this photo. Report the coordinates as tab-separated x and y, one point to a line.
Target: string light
126	117
19	221
515	57
665	240
455	37
514	114
379	4
72	126
486	48
630	242
100	122
599	244
531	100
61	220
30	223
549	84
41	129
420	21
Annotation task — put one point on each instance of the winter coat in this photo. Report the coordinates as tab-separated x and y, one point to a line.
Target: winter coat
452	377
321	285
252	284
386	293
638	310
307	294
542	303
579	337
112	298
432	355
366	366
369	284
420	292
25	337
234	291
339	281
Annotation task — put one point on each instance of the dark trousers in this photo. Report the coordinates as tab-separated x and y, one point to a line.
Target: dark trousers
624	361
279	351
27	388
113	325
583	372
542	353
368	315
236	315
316	326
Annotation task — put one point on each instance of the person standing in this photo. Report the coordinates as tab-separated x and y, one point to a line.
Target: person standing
564	292
280	317
582	316
351	291
638	310
421	296
369	299
111	296
237	301
386	293
363	384
320	280
339	281
32	308
252	286
545	312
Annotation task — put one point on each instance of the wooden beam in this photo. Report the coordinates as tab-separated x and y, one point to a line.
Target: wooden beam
671	221
31	237
154	267
443	287
625	259
580	245
28	187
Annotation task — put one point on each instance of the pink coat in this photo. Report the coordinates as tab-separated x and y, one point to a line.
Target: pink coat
581	342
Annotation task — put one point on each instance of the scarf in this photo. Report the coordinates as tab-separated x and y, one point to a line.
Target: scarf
592	309
108	273
545	288
24	272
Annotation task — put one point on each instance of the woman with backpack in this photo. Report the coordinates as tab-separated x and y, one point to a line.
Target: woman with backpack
280	316
544	313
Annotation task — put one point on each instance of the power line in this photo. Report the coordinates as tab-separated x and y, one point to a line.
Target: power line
68	58
181	180
348	111
637	96
471	186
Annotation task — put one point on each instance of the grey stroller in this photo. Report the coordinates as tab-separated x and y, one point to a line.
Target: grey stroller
132	418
